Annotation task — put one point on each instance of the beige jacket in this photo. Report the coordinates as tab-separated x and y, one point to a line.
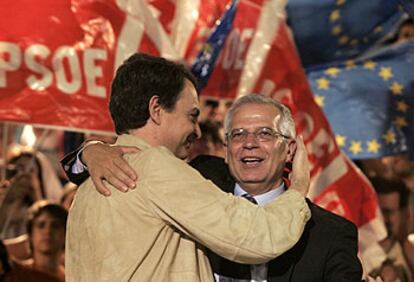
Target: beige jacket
156	232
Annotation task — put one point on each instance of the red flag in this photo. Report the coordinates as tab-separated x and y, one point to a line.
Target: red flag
57	58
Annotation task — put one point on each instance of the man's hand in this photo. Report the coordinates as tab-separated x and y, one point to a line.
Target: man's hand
300	175
105	162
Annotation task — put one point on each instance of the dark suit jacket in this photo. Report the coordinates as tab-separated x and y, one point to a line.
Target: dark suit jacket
327	250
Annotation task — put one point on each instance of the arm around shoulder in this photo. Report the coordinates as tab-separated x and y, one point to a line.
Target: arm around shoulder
230	226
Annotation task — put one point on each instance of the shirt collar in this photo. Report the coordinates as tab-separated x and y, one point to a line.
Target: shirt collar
262	199
130	140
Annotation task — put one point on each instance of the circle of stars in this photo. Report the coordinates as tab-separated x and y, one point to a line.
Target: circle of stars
396	89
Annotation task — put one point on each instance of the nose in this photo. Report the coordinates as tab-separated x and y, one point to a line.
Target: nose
47	229
251	141
198	131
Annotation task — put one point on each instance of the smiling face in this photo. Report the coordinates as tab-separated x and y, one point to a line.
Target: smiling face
258	165
180	127
48	234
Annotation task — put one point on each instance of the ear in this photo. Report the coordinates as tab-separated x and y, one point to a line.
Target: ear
291	149
226	152
155	110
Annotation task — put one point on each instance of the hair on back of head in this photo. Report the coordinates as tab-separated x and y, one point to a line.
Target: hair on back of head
136	81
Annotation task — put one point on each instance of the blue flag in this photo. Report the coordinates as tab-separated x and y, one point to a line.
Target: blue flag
206	59
370	101
336	30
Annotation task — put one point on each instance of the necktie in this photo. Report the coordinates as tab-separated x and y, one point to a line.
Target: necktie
258	270
249	198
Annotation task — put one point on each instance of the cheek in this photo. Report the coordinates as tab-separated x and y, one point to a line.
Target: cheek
231	153
36	235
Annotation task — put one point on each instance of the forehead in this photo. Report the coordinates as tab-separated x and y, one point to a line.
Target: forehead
389	199
408	27
188	98
255	115
45	216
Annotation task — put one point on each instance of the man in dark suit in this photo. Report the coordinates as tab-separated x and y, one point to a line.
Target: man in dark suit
327	250
259	143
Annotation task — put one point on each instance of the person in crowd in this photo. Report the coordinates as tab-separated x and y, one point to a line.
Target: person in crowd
389	272
398	167
13	271
210	142
37	163
406	30
210	111
31	177
259	128
22	191
402	168
392	198
155	233
46	228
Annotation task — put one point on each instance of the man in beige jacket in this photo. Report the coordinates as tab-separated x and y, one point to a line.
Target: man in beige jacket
156	232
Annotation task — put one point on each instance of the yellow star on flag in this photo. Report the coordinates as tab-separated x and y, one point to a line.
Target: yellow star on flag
335	15
340	2
320	100
389	137
343	40
354	42
340	140
402	106
400	121
385	73
370	65
323	83
207	48
332	71
336	30
396	88
350	64
373	146
378	29
355	147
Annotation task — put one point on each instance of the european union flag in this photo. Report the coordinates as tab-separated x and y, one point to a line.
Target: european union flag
204	64
370	101
336	30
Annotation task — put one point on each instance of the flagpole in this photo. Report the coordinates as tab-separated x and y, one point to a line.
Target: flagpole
4	150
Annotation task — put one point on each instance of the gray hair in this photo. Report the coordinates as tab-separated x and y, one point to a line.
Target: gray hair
286	124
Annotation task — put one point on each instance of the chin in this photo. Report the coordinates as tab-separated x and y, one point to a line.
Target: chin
252	180
182	155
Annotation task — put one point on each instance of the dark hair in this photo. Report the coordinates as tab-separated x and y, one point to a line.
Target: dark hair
387	186
41	207
137	80
212	103
211	130
407	21
4	261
